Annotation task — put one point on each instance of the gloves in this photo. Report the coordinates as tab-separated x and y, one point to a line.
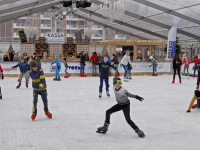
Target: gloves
139	98
51	63
2	77
58	67
150	65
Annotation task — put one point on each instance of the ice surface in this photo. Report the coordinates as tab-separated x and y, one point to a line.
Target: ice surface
78	112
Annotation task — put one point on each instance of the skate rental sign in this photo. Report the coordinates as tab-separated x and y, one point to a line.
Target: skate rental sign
56	38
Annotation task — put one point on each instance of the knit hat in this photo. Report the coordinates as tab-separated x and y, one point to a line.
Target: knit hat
33	64
117	80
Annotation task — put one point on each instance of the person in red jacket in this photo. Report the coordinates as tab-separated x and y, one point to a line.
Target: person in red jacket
94	58
1	70
196	60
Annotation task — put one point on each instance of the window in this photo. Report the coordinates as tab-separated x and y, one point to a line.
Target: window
68	22
68	31
30	22
97	26
81	23
20	22
46	23
17	29
73	23
46	14
45	30
59	22
108	32
59	30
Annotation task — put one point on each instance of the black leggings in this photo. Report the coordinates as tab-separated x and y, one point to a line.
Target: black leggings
178	69
126	111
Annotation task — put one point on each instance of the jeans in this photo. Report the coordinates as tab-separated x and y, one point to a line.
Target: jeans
94	70
82	67
195	68
129	73
126	111
155	68
101	84
125	68
116	65
26	77
66	73
178	69
44	99
186	67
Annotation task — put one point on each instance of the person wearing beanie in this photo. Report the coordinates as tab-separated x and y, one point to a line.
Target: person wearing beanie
2	77
186	65
154	64
196	96
58	67
123	103
124	62
39	88
195	61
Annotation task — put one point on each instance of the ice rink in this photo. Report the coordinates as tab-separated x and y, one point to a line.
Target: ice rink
78	112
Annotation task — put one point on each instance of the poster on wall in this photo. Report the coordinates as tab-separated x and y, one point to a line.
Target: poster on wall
22	37
78	36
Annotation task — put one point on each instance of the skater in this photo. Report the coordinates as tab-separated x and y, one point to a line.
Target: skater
109	60
196	96
67	75
39	88
105	65
2	77
154	64
94	58
24	70
116	64
38	59
196	60
82	64
186	65
123	104
176	66
124	62
58	67
100	60
129	71
198	78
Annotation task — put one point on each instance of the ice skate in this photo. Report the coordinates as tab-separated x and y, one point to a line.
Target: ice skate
183	77
27	85
180	81
155	74
188	77
48	114
193	75
34	115
100	95
125	79
129	78
58	79
103	129
65	76
18	86
188	111
173	81
140	133
0	95
194	106
107	93
197	87
55	79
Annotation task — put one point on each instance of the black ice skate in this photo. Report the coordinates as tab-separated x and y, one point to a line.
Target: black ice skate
18	86
107	93
55	79
140	133
58	79
103	129
27	85
100	95
0	95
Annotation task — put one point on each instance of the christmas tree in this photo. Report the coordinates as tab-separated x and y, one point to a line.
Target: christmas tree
178	47
10	49
104	50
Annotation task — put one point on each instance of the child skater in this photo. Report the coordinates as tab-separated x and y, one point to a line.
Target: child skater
196	96
2	77
196	60
105	66
176	66
154	64
67	75
39	88
58	67
123	104
24	70
186	65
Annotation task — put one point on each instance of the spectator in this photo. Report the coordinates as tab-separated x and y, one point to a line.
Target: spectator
38	59
87	57
100	59
94	58
82	64
16	57
25	56
11	55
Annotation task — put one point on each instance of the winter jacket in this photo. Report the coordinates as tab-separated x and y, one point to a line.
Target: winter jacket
86	58
104	69
154	63
39	59
16	59
196	60
11	55
100	59
184	62
23	67
82	59
65	63
125	60
93	57
57	62
38	79
176	64
115	60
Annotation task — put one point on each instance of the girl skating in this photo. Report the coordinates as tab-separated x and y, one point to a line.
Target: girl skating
177	66
186	65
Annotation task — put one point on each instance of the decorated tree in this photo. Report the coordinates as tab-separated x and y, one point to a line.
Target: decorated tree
10	49
178	47
104	50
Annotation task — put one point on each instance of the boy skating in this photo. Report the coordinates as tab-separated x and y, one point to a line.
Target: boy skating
2	77
104	75
58	67
39	88
121	95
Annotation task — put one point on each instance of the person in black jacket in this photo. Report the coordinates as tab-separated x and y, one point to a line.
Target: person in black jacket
105	66
177	66
82	64
116	64
11	55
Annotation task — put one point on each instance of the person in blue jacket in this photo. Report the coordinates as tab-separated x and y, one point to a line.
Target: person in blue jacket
58	67
24	70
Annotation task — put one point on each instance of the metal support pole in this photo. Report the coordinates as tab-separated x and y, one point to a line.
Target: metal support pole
53	23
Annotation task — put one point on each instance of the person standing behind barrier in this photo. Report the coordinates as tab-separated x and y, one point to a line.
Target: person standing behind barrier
16	57
82	64
100	59
87	57
186	65
176	66
124	62
196	60
38	59
116	64
94	58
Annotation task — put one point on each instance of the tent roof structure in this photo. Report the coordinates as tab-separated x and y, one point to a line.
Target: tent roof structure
143	19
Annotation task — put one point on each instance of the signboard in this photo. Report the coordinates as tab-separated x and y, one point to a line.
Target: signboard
32	38
42	39
22	36
70	40
56	38
87	39
78	36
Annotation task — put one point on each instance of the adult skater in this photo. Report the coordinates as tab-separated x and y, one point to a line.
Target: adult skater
109	60
39	88
100	59
196	60
24	70
116	64
67	75
82	64
2	77
105	66
154	64
186	65
38	59
123	103
94	58
129	68
58	67
124	62
176	66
